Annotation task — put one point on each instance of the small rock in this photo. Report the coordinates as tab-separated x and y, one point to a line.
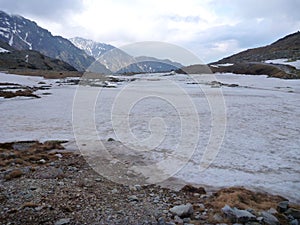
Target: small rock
59	156
295	213
283	206
13	174
170	223
62	221
43	161
51	173
192	189
178	220
133	198
110	139
186	220
238	215
98	179
29	205
138	187
114	191
272	211
182	210
294	222
161	221
269	218
32	188
217	217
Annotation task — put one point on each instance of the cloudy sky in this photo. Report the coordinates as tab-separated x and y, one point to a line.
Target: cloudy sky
211	29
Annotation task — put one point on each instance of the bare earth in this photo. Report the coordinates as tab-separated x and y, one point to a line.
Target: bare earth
40	183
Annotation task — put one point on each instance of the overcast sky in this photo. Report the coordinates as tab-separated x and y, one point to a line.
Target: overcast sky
211	29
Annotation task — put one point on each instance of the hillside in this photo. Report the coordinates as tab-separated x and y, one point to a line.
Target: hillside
23	34
279	59
11	58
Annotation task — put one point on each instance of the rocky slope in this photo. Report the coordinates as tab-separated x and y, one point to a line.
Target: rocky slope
23	34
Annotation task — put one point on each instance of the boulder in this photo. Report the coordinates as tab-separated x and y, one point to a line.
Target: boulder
182	210
237	215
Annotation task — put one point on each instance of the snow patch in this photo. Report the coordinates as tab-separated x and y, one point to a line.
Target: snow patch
285	62
2	50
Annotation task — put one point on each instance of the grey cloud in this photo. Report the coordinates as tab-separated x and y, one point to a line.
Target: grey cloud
44	9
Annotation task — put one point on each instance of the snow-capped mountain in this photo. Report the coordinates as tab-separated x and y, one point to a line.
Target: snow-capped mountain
118	61
23	34
92	48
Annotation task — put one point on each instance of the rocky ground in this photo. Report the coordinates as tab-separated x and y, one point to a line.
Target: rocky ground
40	183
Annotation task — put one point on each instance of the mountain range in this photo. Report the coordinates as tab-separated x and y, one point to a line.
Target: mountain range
118	61
21	39
82	54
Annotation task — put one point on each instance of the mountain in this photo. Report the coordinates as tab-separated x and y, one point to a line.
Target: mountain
29	59
90	47
278	59
118	61
23	34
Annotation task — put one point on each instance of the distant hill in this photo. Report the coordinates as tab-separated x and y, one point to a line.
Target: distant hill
276	60
11	58
287	47
23	34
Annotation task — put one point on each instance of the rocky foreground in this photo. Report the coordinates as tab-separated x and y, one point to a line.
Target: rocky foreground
40	183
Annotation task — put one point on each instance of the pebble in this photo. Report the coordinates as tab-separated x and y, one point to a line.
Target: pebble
133	198
62	221
161	221
114	191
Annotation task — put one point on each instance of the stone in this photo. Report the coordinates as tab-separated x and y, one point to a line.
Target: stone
133	198
182	210
295	213
178	220
62	221
110	139
161	221
242	216
13	174
192	189
294	222
269	219
283	206
186	220
272	211
217	217
114	191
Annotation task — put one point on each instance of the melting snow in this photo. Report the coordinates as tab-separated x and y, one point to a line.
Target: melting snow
260	149
286	62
